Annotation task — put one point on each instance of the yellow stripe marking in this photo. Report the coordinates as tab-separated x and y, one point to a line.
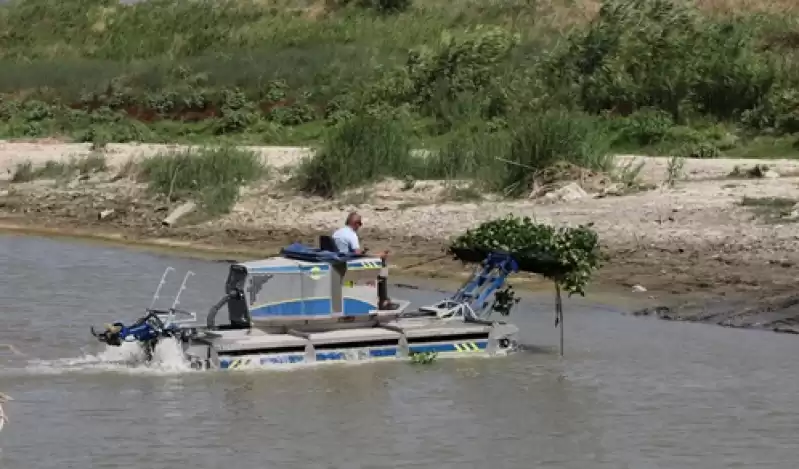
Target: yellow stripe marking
240	363
467	347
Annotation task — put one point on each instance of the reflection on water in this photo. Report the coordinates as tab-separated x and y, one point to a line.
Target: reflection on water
630	392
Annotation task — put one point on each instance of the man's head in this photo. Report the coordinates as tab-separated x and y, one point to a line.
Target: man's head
354	221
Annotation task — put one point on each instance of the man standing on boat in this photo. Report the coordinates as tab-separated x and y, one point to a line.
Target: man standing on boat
347	242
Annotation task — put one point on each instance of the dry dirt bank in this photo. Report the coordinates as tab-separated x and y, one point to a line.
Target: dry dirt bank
690	241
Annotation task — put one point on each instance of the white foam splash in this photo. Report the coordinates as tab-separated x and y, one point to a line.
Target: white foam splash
127	358
3	418
169	357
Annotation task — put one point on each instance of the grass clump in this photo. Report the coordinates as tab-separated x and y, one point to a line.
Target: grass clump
24	172
547	139
772	209
515	160
210	176
83	166
367	148
363	149
89	164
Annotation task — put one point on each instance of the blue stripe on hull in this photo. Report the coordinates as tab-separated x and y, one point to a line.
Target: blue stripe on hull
383	352
330	356
359	354
280	360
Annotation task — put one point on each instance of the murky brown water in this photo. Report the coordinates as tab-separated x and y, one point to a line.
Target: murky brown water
630	393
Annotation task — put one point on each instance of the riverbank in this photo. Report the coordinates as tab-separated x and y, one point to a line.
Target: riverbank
721	230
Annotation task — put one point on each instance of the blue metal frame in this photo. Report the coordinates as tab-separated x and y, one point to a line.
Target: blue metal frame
490	278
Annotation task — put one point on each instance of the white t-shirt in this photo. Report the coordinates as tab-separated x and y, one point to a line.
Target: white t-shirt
346	240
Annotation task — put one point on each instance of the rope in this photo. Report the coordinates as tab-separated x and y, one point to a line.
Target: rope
428	261
559	314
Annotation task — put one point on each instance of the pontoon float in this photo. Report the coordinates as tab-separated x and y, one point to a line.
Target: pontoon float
311	305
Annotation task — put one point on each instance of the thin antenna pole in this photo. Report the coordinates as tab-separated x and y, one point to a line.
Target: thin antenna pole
160	285
171	315
559	313
182	287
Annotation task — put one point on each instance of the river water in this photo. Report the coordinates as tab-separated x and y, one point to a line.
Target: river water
630	393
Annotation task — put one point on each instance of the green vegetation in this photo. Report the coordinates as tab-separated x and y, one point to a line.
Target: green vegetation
81	167
210	176
772	209
367	148
495	91
364	149
568	256
423	358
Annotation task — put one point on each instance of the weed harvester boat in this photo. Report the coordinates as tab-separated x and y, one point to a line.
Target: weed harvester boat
313	305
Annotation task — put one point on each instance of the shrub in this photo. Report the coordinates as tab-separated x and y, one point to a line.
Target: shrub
641	128
461	64
700	151
360	150
549	138
778	113
380	6
387	6
473	154
211	176
663	54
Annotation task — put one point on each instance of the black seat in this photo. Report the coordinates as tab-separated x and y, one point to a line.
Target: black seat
326	243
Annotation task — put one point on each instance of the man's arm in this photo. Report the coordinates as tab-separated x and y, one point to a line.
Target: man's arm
355	245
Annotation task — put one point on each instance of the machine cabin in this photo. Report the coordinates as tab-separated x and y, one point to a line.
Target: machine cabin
303	284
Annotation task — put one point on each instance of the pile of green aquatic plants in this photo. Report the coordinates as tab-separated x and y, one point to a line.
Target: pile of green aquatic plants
423	358
566	255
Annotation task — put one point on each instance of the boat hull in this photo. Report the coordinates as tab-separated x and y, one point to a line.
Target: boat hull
399	340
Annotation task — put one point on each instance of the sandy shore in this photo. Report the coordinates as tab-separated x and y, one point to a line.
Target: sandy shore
694	240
